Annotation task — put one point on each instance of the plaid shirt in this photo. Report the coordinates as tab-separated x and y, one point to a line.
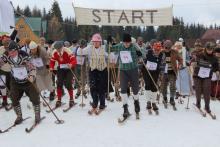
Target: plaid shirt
126	66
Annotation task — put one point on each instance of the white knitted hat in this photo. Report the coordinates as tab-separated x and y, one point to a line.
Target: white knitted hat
32	45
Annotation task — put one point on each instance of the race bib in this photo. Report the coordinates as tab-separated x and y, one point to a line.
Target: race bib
151	65
214	77
204	72
19	73
2	80
38	62
125	57
64	66
166	68
80	60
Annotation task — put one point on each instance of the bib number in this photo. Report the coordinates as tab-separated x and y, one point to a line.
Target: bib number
204	72
125	57
151	65
20	73
38	62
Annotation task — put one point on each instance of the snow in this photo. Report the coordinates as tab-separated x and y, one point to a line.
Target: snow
183	128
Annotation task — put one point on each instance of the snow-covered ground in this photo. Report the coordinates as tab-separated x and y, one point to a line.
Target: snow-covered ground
183	128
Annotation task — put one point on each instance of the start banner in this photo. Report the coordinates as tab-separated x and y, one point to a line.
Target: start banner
112	17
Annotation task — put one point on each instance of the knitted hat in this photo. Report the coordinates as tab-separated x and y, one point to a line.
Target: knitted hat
96	38
32	45
66	43
126	37
58	44
157	46
168	44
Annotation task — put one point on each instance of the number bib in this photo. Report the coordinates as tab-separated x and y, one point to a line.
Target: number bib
166	69
204	72
214	77
64	66
38	62
80	60
19	73
3	81
151	65
125	57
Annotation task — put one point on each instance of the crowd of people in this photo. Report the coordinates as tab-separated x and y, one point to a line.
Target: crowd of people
106	66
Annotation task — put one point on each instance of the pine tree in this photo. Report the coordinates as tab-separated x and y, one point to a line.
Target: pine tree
19	11
27	11
55	11
36	12
44	14
150	33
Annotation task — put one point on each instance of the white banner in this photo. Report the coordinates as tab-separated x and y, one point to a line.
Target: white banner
111	17
7	17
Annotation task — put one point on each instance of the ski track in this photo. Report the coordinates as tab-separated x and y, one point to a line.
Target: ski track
181	128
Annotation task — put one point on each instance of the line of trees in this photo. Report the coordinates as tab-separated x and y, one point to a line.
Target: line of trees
66	29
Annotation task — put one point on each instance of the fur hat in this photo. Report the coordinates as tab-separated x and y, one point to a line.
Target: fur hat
13	46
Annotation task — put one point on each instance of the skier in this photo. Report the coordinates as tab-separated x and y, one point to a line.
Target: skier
206	64
40	59
154	63
182	85
215	87
23	79
98	74
128	55
67	62
81	69
170	72
5	74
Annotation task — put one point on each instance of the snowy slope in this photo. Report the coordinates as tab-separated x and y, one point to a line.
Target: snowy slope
184	128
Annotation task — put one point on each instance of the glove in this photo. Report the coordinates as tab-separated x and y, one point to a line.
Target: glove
47	66
139	54
70	66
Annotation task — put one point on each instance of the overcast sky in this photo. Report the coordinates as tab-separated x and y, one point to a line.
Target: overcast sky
202	11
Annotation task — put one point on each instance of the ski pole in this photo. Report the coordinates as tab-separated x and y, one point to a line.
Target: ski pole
180	92
216	90
75	77
58	121
81	87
